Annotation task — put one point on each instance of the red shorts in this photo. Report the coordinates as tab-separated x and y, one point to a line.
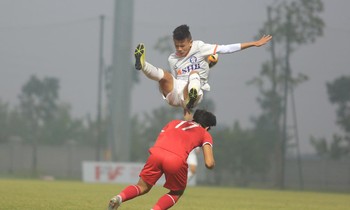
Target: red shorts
174	168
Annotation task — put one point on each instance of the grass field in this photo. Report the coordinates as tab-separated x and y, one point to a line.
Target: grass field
70	195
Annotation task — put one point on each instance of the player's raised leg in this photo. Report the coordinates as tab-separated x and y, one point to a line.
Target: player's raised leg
130	192
163	77
148	69
193	89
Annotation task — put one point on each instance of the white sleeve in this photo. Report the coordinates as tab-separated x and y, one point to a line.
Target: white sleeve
171	66
230	48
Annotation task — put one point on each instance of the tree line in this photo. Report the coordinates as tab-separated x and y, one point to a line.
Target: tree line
41	118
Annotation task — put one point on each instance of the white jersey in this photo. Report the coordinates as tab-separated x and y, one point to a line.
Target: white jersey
196	59
192	157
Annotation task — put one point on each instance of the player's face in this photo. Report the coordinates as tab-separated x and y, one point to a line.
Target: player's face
182	47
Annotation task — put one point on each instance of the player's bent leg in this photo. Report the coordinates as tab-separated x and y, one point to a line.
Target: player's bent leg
126	194
168	200
144	186
193	88
192	95
148	69
175	93
194	81
166	84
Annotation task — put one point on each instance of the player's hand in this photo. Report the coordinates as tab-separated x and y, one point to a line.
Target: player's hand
263	40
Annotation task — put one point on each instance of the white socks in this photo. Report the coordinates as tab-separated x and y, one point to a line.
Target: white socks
194	81
153	72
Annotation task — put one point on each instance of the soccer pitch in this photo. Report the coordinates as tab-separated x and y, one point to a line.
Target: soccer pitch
75	195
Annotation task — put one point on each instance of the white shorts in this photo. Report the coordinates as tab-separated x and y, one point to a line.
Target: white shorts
192	158
176	96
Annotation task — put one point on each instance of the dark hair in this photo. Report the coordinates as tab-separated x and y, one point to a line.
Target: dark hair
204	118
182	32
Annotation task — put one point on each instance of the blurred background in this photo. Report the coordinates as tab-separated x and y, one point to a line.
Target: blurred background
69	92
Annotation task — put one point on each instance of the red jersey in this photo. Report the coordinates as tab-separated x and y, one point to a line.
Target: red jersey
181	137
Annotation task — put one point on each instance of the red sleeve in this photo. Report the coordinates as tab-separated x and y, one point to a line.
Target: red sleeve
207	139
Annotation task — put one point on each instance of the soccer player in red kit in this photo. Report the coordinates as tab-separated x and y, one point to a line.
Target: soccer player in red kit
168	156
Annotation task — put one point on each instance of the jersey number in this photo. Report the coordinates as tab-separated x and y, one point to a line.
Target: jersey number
185	125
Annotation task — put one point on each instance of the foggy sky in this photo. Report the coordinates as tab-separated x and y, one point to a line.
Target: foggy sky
61	39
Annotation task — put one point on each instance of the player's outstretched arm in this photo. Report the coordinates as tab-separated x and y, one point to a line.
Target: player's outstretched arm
262	41
208	156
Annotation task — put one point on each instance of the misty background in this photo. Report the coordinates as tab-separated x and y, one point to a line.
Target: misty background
49	45
61	39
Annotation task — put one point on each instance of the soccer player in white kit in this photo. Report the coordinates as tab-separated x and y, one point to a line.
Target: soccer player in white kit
192	162
183	86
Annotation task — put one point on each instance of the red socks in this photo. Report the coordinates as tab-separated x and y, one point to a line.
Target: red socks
130	192
165	202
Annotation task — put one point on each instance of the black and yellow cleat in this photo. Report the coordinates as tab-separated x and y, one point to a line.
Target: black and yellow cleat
192	94
140	52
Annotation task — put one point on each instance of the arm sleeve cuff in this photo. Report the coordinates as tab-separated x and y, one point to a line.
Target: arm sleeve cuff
230	48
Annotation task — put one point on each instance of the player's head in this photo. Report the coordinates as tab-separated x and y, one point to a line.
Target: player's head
182	32
204	118
182	40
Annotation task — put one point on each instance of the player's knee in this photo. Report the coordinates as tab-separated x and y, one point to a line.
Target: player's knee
165	87
176	193
143	186
194	73
194	76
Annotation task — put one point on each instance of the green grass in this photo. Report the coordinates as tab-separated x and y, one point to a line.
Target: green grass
74	195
